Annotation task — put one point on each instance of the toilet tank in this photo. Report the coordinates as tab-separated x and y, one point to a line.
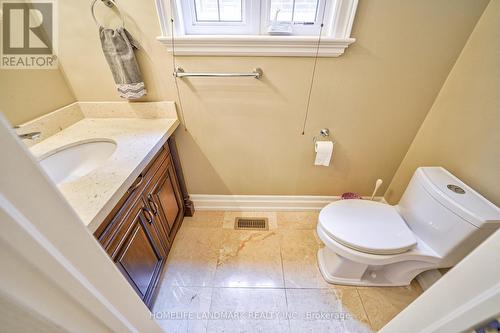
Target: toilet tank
446	214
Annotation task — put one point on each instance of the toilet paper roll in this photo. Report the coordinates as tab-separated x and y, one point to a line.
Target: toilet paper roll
324	152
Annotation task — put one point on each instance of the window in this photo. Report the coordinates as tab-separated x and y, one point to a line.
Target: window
257	27
304	16
242	17
218	11
219	17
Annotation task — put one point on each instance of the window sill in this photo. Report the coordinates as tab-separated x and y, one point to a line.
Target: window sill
243	45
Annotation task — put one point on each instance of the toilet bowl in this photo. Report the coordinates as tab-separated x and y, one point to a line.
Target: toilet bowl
437	222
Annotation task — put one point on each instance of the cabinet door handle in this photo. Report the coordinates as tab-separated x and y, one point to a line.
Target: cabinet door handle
153	204
136	184
147	214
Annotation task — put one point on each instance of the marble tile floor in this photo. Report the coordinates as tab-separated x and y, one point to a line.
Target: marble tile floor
218	279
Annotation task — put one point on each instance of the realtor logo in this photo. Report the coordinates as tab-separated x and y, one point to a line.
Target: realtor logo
28	35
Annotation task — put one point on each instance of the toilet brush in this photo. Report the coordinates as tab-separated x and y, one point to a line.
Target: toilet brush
377	185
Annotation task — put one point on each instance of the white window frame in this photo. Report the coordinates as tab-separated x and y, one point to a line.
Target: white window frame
335	37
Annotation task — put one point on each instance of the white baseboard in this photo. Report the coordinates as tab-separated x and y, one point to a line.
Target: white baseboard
262	202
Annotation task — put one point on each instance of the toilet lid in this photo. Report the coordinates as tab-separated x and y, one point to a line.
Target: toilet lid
367	226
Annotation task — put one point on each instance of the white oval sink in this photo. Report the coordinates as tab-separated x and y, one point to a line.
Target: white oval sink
76	160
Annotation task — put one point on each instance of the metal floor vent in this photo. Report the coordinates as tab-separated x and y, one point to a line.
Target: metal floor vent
251	223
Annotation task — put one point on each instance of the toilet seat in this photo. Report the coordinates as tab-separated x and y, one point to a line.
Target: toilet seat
367	226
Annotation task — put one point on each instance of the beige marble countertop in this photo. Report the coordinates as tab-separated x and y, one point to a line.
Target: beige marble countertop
94	195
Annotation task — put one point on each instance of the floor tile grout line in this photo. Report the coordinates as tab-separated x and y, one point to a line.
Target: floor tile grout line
364	309
282	265
213	278
284	286
210	307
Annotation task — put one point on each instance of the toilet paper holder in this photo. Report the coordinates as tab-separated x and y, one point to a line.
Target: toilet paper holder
324	133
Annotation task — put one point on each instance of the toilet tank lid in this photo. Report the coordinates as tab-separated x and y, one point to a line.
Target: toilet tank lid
458	197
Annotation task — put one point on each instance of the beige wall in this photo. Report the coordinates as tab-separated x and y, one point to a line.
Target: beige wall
462	130
27	94
244	136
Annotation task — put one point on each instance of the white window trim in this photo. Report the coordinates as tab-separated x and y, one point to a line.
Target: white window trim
334	40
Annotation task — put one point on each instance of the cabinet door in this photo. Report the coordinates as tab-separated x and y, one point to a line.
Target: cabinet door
140	256
165	200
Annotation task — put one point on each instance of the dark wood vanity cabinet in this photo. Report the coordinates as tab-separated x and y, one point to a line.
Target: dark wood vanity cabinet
140	230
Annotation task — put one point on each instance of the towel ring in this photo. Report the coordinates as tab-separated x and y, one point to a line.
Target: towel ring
109	3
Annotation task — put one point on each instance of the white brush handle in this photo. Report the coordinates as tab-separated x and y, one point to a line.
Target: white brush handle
377	185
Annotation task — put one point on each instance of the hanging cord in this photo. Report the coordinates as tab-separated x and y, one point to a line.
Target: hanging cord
314	70
174	65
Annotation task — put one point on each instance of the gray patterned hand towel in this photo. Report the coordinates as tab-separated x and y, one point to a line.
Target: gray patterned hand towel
118	47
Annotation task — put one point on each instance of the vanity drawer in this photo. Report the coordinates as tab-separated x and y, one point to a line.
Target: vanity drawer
107	230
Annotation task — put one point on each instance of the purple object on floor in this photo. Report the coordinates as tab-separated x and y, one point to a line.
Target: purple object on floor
350	195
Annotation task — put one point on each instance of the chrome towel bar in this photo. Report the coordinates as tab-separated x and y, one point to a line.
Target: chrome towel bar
256	73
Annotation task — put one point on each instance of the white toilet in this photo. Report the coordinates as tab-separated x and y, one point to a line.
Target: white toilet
437	222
